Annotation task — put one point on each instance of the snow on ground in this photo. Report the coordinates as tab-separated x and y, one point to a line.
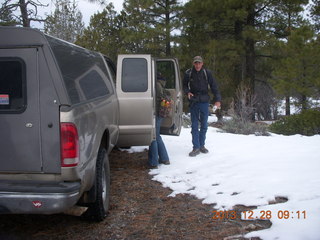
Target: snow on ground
251	171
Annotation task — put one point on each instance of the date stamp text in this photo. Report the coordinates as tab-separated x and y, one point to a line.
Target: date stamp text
259	215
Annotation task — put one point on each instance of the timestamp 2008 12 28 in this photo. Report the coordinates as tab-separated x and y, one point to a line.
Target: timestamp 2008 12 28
261	215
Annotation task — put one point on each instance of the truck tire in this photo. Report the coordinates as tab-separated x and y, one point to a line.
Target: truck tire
97	211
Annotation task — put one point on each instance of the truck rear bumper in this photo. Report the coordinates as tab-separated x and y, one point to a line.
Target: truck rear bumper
34	197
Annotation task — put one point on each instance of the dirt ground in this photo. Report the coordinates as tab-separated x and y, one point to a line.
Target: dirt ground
140	209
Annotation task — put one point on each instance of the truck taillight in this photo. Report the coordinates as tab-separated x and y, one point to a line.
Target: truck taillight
69	145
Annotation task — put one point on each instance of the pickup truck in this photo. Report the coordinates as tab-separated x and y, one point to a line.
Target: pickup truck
62	110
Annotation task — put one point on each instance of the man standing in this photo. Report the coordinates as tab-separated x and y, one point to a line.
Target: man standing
195	84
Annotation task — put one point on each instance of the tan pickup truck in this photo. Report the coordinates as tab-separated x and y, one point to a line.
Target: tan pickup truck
61	113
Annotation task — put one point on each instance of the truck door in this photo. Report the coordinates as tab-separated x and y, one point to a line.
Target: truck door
135	90
19	111
136	76
169	69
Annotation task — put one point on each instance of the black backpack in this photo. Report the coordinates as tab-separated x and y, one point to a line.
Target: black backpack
189	72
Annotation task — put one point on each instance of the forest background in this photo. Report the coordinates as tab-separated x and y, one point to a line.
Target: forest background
262	52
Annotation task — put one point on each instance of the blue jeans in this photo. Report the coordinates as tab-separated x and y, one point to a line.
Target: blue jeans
157	149
199	112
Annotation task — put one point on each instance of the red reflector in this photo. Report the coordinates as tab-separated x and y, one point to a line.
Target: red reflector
69	145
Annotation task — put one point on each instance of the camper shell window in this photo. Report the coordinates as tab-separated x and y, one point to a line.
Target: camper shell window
12	85
83	71
92	85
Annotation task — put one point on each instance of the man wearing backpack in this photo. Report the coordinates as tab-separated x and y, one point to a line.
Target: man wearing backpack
196	84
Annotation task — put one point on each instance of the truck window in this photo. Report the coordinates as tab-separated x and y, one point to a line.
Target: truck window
167	70
12	85
92	85
112	69
134	75
77	67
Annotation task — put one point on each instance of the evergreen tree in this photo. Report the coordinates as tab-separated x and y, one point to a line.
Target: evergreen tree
227	34
286	16
315	13
165	18
28	11
234	37
136	33
6	15
65	22
296	73
149	25
103	33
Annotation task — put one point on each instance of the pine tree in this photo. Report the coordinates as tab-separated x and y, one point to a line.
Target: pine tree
103	33
297	72
136	33
235	37
28	12
149	25
286	16
315	13
65	22
165	18
227	33
6	15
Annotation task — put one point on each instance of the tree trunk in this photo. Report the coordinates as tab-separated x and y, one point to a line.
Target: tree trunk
250	50
24	13
238	68
168	38
287	106
250	56
304	102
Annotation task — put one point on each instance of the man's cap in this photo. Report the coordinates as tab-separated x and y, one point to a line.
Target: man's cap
197	59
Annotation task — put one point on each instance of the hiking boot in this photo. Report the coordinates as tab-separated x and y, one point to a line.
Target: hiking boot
204	150
194	152
165	162
152	167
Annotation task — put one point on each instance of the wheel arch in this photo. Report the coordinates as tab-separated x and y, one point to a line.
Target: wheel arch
90	195
105	140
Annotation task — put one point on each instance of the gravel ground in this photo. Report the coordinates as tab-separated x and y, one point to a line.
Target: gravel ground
140	209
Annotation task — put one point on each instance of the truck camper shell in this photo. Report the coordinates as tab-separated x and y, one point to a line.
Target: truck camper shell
47	84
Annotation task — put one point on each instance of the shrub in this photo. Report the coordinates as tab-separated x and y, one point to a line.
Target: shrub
306	123
186	121
242	111
239	125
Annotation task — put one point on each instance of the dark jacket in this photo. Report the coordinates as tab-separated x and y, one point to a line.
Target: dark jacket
197	83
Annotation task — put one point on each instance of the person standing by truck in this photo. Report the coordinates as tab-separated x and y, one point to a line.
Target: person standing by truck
195	83
157	150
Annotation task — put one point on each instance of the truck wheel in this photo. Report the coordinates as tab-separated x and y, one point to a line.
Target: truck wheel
98	210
